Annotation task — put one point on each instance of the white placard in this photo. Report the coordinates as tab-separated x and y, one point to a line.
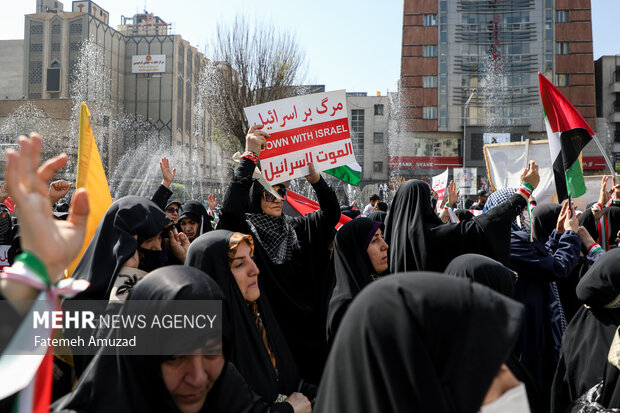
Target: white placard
303	129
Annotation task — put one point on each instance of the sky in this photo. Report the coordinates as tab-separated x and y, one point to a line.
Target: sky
349	44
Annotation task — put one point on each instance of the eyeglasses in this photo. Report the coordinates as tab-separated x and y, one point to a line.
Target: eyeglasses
269	197
172	210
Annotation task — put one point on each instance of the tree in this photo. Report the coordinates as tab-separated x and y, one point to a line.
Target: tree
251	64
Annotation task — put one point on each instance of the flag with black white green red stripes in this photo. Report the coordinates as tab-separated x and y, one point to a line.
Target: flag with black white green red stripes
568	134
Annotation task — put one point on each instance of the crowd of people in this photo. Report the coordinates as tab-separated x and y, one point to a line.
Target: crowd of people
405	307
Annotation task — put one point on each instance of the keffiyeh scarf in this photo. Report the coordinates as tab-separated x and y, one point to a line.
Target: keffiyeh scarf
275	234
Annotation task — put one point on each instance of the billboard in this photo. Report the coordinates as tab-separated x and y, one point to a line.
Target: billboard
152	63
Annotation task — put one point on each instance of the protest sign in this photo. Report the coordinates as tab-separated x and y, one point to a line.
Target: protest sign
466	180
439	185
303	129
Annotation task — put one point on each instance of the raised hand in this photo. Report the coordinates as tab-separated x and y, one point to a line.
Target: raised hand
530	175
179	244
255	139
56	243
212	200
57	190
4	192
453	194
166	173
313	177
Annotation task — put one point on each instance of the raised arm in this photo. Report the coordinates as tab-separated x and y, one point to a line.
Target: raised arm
163	192
54	243
237	198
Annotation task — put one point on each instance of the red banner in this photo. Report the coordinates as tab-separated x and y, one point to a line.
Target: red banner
305	137
593	163
424	162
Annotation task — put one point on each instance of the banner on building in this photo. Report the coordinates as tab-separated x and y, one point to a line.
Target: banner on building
152	63
303	129
466	180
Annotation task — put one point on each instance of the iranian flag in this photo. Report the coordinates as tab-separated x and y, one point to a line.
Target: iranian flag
568	134
351	173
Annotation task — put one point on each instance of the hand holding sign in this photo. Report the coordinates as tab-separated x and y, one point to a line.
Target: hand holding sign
313	177
255	139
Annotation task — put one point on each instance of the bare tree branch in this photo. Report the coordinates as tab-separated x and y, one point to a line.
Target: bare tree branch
252	63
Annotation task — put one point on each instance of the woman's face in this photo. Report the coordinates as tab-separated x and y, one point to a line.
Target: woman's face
173	212
271	205
189	228
245	272
377	252
189	378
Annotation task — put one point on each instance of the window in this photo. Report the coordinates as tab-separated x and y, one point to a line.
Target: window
430	82
430	20
379	110
378	137
357	135
430	112
35	72
377	166
561	79
561	48
36	29
75	27
430	51
561	16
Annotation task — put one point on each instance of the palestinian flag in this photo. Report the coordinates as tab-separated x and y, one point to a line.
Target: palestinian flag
568	134
351	174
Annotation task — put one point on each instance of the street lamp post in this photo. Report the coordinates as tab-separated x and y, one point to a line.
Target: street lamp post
465	106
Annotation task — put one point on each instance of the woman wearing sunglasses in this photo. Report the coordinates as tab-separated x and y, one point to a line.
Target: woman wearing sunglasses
291	253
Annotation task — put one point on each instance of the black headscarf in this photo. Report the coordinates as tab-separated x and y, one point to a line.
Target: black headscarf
377	216
419	240
121	383
411	216
485	271
583	358
6	227
497	277
544	221
114	243
351	267
394	351
209	253
194	210
613	217
463	214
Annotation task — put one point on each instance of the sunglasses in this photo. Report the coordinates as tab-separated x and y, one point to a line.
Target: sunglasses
269	197
172	210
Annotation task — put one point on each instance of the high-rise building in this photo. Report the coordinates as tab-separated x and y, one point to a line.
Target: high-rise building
607	71
469	75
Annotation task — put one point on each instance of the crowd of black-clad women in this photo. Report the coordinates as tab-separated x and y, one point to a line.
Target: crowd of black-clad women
513	310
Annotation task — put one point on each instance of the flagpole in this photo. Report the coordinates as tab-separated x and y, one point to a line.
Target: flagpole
612	171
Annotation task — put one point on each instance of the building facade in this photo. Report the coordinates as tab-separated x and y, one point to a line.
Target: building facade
607	71
143	80
368	124
469	76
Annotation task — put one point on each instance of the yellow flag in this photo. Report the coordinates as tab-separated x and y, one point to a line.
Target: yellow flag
90	175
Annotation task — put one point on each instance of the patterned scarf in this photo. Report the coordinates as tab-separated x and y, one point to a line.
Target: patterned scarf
275	234
499	197
5	231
